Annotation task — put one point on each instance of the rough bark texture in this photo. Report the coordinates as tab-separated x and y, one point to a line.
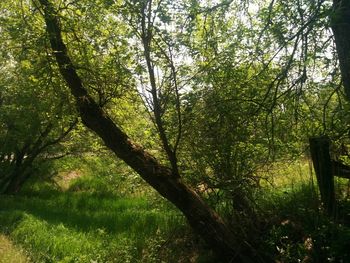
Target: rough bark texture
199	215
340	20
319	148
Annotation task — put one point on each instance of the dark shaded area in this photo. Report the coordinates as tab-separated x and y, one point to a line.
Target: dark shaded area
326	169
319	148
299	231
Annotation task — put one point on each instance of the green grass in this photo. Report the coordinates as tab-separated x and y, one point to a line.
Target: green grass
86	227
86	223
95	212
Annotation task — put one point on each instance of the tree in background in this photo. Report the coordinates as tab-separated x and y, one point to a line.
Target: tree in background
35	114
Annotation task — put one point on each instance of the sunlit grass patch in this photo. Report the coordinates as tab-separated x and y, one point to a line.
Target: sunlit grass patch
55	243
84	227
288	174
10	253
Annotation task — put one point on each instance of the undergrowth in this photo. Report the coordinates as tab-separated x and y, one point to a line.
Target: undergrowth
297	228
89	222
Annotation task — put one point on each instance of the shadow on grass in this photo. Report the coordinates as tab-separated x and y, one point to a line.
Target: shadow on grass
86	212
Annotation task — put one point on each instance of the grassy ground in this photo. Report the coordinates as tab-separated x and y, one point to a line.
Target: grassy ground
10	253
86	223
96	212
59	226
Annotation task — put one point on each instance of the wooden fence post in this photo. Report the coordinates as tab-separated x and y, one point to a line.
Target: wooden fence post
319	148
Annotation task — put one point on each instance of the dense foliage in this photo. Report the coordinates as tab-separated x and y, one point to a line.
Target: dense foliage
216	92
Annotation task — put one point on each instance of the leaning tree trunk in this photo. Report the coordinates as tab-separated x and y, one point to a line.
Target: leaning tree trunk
340	23
206	222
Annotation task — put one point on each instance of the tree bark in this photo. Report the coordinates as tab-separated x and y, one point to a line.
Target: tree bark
205	221
16	180
16	170
20	172
340	23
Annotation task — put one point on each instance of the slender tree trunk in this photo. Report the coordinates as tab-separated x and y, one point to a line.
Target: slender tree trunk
340	22
17	179
200	216
16	169
18	176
